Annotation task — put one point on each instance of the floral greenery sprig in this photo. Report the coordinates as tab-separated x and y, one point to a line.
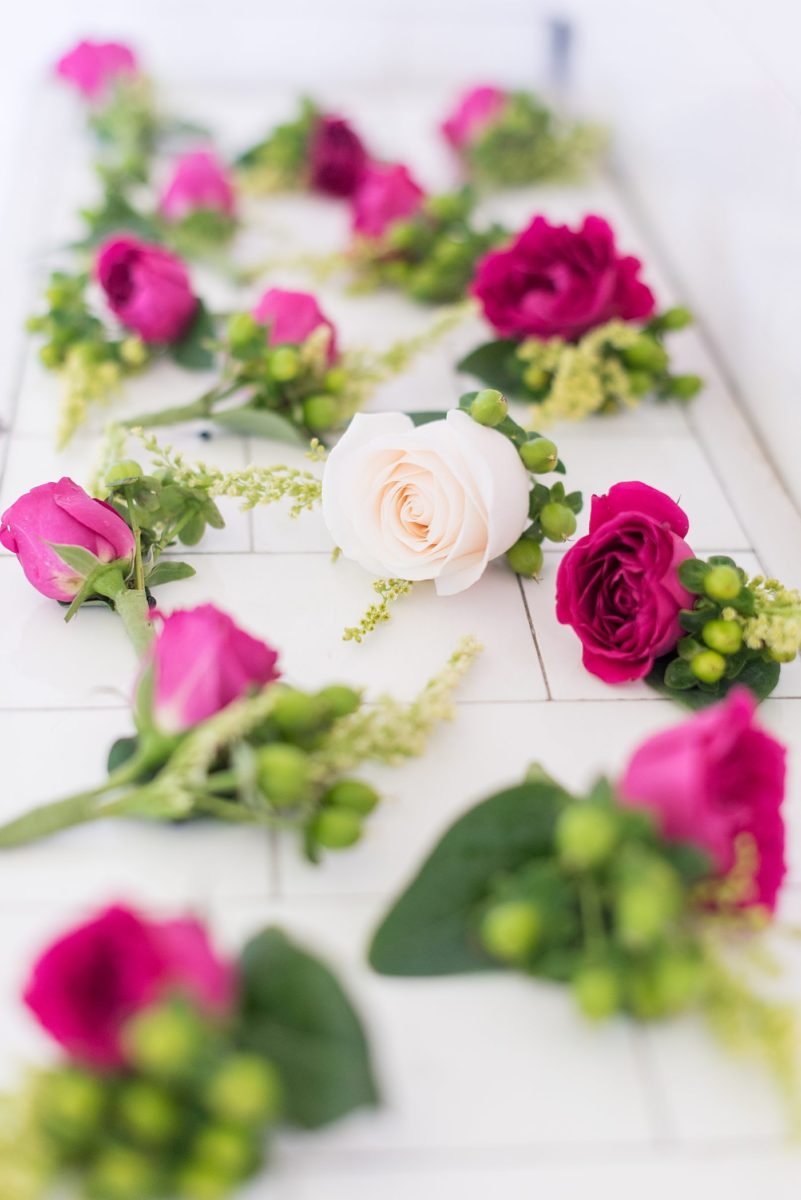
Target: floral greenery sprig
233	744
505	139
646	897
183	1066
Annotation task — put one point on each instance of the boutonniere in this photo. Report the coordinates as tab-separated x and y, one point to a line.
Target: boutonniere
219	736
645	897
178	1065
578	331
504	139
644	607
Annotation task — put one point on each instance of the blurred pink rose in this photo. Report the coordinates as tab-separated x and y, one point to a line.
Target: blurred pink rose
199	181
387	194
147	288
92	66
62	514
91	981
201	663
476	110
337	157
711	778
291	317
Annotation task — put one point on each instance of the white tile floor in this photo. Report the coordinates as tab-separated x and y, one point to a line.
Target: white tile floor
491	1084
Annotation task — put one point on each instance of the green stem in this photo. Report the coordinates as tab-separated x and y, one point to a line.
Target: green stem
131	606
139	571
194	410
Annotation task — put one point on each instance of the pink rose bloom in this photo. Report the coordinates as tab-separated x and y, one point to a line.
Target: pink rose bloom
619	586
387	194
147	288
553	281
62	514
292	317
90	982
201	663
476	110
337	157
199	181
711	778
92	66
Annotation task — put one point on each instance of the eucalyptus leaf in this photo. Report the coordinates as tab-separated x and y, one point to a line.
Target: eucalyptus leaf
260	422
193	351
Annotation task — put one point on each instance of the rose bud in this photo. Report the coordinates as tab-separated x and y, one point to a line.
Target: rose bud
292	317
553	281
475	112
386	194
62	514
92	66
201	662
199	182
337	157
147	288
89	983
619	588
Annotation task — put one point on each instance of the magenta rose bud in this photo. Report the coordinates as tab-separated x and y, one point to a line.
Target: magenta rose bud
387	194
619	586
91	981
712	778
292	317
61	514
147	288
475	112
553	281
199	182
201	663
337	157
92	66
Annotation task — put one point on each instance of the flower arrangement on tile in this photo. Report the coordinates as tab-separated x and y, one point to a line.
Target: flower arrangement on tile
508	138
646	896
317	151
177	1066
578	331
218	736
645	607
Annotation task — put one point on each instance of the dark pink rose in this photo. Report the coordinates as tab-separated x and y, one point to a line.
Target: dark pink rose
713	778
291	317
553	281
201	662
199	181
476	110
62	514
90	982
619	586
337	157
92	66
387	194
147	288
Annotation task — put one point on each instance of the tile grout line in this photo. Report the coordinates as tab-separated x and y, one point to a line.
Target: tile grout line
534	638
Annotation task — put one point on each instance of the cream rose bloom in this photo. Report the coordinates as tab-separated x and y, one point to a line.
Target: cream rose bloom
437	501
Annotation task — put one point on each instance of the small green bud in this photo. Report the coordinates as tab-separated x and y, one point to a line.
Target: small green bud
645	354
70	1105
723	583
320	412
511	930
165	1041
353	795
245	1089
558	521
489	407
244	331
336	828
50	356
539	456
640	382
644	907
283	773
284	364
339	700
402	236
119	1173
447	207
196	1181
585	836
126	471
708	666
677	979
724	636
675	318
297	712
335	379
525	557
229	1149
133	352
147	1113
597	992
684	387
536	378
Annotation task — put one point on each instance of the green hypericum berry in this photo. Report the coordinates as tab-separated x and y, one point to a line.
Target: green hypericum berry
446	207
536	378
511	930
677	978
50	356
724	636
70	1105
558	521
165	1041
723	583
597	992
643	908
675	318
297	712
126	471
684	387
284	364
585	836
489	407
245	1089
340	700
229	1149
402	236
197	1181
539	456
119	1173
147	1113
640	382
525	557
645	354
352	794
283	773
708	666
244	330
336	828
335	379
320	412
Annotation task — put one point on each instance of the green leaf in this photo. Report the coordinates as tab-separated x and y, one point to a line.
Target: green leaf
428	929
296	1014
121	751
82	561
260	422
692	573
192	350
168	571
425	418
759	675
496	363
